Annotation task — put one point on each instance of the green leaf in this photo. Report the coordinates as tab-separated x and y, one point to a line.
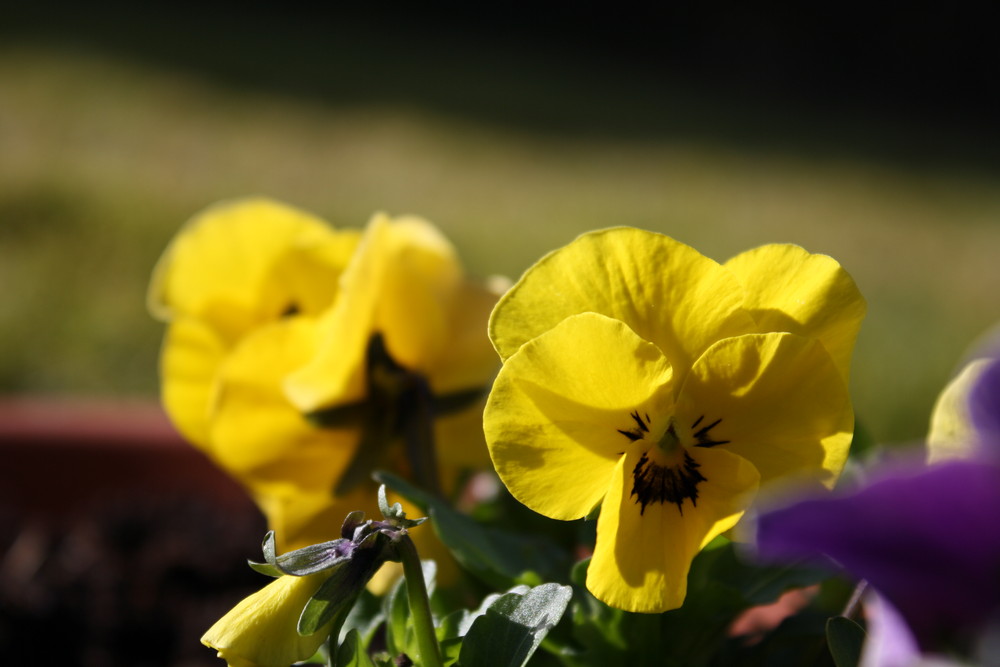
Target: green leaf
324	607
265	568
845	638
513	627
452	625
396	610
365	617
270	564
596	626
498	558
450	650
352	652
337	594
388	512
268	548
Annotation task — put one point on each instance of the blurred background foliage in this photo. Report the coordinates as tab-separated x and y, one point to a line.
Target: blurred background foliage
867	134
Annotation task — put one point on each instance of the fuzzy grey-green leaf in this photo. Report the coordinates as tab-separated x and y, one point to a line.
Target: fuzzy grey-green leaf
513	627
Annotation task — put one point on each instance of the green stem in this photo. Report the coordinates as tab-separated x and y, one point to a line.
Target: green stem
420	606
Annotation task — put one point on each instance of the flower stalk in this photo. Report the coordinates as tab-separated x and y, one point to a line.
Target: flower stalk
420	608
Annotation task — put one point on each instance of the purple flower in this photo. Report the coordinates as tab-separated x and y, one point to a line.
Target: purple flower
926	538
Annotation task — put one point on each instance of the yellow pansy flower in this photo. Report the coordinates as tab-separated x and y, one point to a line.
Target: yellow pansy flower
647	380
259	294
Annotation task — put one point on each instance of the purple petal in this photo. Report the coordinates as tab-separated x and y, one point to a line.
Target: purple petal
984	408
890	642
927	540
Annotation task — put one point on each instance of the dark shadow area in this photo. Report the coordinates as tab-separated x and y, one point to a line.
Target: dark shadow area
120	544
135	581
903	85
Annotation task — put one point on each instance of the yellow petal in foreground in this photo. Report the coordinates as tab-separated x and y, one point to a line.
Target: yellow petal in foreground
667	292
261	631
790	289
952	435
644	551
554	421
774	399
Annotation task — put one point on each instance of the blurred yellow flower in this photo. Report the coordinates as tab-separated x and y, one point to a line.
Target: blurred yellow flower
953	432
650	381
273	315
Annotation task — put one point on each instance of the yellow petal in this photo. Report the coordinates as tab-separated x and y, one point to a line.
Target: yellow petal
256	434
216	268
643	555
789	289
668	293
553	420
260	631
305	279
468	360
469	363
952	434
399	283
189	362
774	399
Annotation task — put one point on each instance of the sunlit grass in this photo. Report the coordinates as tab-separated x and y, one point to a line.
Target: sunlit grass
102	161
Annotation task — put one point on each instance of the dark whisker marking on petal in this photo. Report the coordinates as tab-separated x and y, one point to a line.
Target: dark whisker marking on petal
631	435
695	425
641	427
712	443
638	420
702	436
706	429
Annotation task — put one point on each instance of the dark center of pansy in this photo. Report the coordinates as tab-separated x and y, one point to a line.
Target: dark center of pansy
666	472
398	405
652	482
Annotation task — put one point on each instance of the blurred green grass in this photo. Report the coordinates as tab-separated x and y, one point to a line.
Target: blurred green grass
103	159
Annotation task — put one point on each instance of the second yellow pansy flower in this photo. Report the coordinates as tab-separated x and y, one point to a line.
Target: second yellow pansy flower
274	315
647	380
